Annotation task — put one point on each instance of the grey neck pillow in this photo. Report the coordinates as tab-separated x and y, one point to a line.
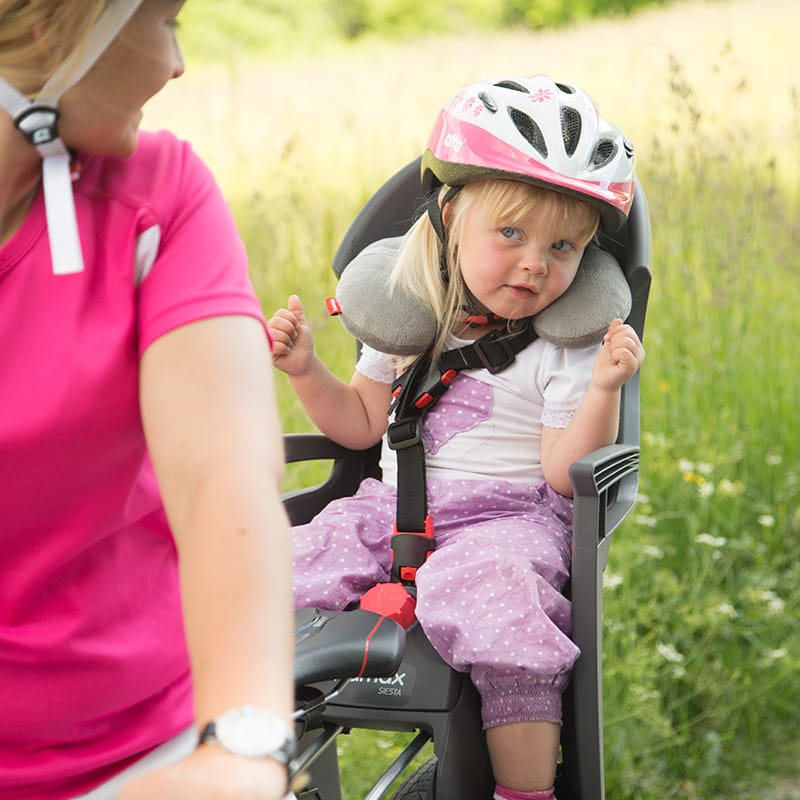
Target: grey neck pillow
403	325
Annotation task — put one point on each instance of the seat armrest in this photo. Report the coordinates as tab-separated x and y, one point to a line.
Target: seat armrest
311	447
604	491
610	473
350	467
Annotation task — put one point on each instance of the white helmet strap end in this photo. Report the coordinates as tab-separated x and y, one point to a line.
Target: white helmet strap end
62	222
37	121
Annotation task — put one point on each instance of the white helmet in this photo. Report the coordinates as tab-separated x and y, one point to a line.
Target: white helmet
535	130
37	121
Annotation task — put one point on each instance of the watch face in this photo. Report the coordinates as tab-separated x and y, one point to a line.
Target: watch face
255	732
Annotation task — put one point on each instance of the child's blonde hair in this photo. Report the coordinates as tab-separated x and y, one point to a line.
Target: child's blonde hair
417	269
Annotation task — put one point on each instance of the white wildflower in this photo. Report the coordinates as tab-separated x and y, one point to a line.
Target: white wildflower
711	541
775	604
705	489
726	610
653	551
766	521
646	520
655	439
644	694
773	459
772	656
669	653
611	580
729	488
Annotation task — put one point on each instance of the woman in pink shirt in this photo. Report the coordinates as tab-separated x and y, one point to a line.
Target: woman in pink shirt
144	551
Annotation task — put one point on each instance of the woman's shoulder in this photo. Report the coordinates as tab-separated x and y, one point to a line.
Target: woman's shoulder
162	168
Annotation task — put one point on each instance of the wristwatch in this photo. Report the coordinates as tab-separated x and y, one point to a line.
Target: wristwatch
252	732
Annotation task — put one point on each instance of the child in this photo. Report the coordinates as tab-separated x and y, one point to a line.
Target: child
519	174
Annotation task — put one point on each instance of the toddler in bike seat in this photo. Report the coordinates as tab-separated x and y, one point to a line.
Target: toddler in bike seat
518	176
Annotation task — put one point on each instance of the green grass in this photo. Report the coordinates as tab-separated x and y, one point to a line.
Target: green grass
702	669
702	680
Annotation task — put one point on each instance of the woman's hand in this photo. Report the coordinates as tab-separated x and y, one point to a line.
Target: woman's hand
292	342
211	774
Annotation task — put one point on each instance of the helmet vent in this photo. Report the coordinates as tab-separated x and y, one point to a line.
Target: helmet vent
570	128
488	101
604	152
513	85
565	88
529	130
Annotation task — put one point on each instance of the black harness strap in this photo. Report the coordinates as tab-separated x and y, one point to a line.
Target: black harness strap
416	392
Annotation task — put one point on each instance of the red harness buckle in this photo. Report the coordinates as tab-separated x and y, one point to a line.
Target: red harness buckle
410	550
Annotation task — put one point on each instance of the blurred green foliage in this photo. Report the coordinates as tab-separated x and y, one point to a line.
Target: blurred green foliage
214	29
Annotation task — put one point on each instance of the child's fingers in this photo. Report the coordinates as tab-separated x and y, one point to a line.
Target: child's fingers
613	327
625	349
296	307
283	322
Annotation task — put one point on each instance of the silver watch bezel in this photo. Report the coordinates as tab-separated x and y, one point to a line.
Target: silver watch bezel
254	732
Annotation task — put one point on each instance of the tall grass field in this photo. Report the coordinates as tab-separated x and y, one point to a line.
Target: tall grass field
702	591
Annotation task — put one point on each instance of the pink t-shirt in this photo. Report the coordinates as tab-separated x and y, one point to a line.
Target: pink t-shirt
93	663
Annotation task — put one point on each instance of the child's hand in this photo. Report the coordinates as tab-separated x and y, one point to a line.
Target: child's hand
292	342
620	356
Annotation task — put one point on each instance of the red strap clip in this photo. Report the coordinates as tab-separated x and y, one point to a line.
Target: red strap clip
423	400
334	309
448	377
426	398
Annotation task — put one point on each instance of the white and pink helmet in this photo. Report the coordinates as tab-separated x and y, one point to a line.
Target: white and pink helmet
535	130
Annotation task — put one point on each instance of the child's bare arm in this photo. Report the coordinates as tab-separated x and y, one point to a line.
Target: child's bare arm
596	420
353	414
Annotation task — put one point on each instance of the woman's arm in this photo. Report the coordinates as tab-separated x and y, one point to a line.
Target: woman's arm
353	414
596	420
212	429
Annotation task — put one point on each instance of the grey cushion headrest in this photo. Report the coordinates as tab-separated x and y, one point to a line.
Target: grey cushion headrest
403	325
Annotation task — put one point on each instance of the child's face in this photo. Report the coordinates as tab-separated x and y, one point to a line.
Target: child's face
517	269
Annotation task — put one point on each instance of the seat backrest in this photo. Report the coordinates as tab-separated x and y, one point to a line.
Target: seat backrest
398	203
389	212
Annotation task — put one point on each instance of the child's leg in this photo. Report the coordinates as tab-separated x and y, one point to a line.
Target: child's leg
524	755
345	550
489	599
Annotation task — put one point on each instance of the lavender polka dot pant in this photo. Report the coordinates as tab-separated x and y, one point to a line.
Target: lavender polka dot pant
489	597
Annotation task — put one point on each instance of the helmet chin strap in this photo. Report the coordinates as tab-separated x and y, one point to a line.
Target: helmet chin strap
37	121
435	209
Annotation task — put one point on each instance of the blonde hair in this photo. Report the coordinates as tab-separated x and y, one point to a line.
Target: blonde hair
36	36
417	269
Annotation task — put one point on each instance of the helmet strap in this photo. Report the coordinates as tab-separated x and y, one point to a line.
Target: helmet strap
37	121
435	209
